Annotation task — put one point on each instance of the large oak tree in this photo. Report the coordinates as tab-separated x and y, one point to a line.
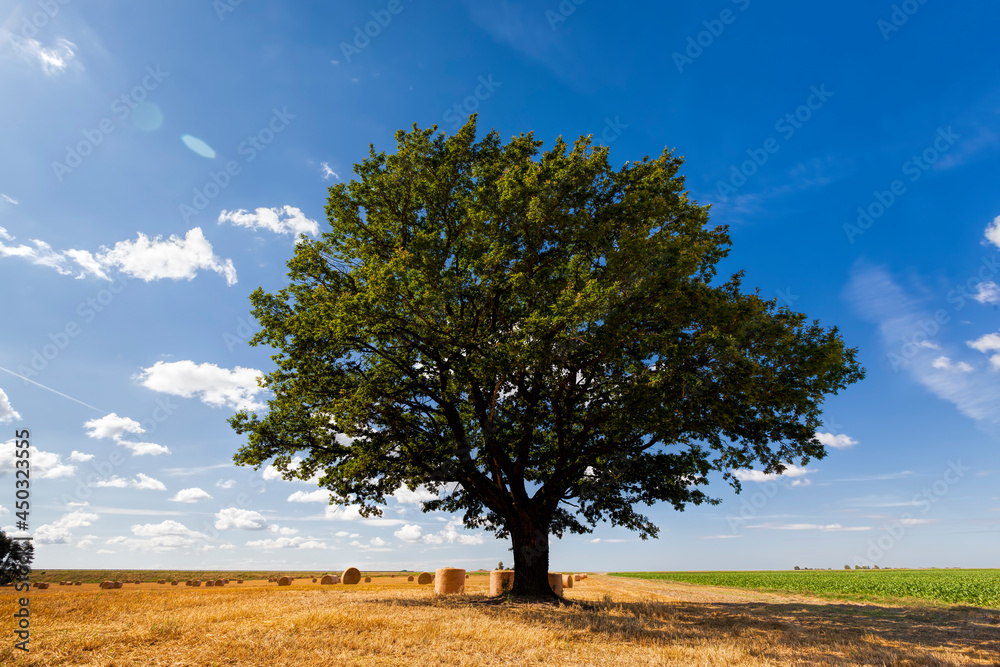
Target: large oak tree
538	337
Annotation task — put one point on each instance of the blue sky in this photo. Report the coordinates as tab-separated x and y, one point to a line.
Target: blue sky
159	161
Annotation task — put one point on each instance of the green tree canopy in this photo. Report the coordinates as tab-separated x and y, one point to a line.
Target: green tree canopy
15	558
539	338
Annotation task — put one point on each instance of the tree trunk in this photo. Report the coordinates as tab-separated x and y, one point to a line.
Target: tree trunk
531	557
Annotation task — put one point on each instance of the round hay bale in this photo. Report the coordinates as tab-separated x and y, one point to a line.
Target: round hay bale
368	580
327	580
314	580
568	581
410	578
42	585
239	581
118	584
225	581
209	583
466	576
501	581
107	584
220	582
196	582
555	581
424	578
351	576
175	582
161	581
77	583
449	581
577	577
285	581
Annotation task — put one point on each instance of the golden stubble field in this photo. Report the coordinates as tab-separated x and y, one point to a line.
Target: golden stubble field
391	622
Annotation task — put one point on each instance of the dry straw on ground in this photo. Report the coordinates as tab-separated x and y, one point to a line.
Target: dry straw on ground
284	581
424	578
625	623
501	582
449	581
351	576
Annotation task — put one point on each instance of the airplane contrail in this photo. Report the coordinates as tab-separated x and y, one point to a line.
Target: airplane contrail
76	400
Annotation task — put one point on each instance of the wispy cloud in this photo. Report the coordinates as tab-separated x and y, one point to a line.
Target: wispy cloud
9	200
53	60
828	528
906	337
328	172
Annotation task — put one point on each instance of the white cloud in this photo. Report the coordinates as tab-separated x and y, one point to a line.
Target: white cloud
993	232
146	259
840	441
986	344
761	476
58	532
226	483
281	530
327	171
192	495
168	535
175	258
419	495
317	496
410	533
987	292
114	427
295	222
341	533
343	513
234	517
378	542
212	385
353	513
167	527
7	412
450	534
944	364
44	465
287	543
54	60
80	456
272	473
146	482
604	540
9	200
142	482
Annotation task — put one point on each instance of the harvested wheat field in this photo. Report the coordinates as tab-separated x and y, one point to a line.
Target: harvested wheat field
390	622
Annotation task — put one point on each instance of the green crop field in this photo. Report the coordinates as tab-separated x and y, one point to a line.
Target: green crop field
980	588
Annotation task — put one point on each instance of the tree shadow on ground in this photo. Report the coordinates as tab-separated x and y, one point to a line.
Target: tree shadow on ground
813	633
